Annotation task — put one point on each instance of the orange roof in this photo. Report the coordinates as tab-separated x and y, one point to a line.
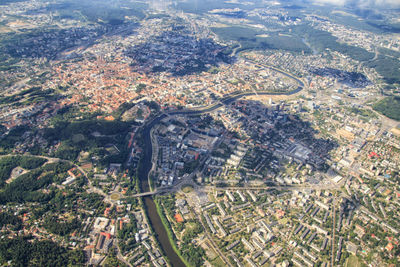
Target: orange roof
279	214
178	218
106	212
389	246
107	235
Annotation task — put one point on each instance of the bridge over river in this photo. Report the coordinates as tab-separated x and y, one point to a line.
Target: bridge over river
146	165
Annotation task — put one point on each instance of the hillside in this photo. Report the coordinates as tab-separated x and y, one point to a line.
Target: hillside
390	107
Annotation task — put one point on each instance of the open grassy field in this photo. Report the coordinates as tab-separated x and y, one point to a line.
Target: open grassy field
353	261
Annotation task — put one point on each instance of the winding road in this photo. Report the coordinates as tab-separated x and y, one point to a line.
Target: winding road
147	163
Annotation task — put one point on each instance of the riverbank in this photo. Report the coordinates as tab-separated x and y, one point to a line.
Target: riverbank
168	247
154	213
170	234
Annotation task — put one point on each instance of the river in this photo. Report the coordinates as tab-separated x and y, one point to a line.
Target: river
146	165
149	205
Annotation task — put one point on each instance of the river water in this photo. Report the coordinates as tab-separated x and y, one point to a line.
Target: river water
146	164
149	205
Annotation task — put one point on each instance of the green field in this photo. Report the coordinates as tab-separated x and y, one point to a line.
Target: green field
217	262
110	12
387	66
389	106
251	38
353	261
322	40
187	189
115	196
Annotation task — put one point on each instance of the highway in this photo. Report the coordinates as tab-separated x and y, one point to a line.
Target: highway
177	186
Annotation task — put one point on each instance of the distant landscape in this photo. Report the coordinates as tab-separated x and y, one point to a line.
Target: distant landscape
177	133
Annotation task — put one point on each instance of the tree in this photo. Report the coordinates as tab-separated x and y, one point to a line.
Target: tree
23	251
140	87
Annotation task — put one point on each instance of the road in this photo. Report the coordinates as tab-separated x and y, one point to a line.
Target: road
149	126
189	181
227	99
278	187
119	254
333	230
148	162
212	243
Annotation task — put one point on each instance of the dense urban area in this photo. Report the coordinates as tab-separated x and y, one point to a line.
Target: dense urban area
199	133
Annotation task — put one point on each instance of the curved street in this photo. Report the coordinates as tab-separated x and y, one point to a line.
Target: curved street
148	161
